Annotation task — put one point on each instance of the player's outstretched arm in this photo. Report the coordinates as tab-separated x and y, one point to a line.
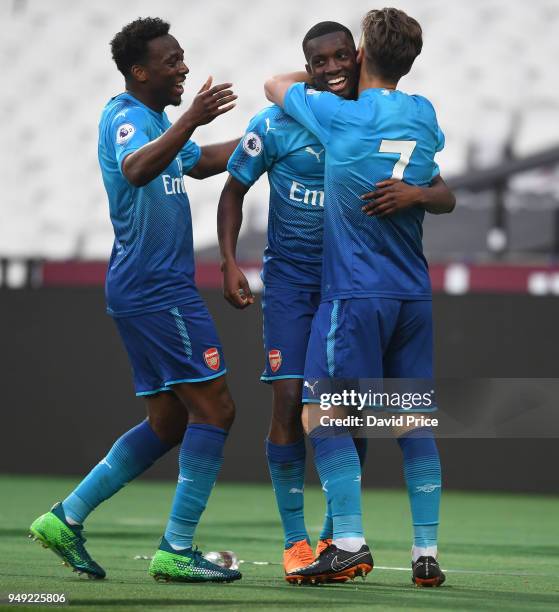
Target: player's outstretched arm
236	289
143	165
392	196
214	159
276	87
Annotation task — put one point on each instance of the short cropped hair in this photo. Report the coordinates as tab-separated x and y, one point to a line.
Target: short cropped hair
391	41
130	45
323	28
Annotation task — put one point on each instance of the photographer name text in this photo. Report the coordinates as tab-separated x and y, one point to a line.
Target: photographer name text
407	420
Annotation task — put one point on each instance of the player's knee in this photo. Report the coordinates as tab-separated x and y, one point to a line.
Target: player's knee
168	430
227	411
287	417
169	427
287	404
221	410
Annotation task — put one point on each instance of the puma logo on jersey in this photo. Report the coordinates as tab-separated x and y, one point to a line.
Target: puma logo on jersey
295	490
317	154
268	126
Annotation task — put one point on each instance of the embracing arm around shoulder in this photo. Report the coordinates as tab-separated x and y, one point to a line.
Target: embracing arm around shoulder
392	196
276	87
437	199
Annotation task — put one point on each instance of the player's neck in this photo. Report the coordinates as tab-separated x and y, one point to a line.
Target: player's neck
374	81
144	98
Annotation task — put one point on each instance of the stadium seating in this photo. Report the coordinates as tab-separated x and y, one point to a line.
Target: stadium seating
487	65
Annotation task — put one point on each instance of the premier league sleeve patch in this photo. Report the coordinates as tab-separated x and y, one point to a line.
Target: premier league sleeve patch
252	144
125	133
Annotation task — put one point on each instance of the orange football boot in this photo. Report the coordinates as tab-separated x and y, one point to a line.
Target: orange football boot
321	545
298	555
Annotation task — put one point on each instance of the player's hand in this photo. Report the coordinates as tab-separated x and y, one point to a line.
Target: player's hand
236	289
210	102
390	196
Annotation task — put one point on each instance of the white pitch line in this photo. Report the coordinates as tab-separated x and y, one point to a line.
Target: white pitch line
407	569
448	571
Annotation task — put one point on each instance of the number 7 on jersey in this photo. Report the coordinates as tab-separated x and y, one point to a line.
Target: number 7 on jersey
404	148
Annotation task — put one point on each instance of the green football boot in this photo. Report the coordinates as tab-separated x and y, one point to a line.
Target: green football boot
66	540
169	565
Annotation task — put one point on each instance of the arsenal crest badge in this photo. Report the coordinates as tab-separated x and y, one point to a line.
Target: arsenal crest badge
274	357
211	357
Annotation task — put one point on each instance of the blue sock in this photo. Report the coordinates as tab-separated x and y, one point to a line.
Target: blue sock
337	463
422	470
200	459
287	470
131	455
327	531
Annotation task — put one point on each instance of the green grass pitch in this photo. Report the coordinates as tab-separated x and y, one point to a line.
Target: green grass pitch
501	551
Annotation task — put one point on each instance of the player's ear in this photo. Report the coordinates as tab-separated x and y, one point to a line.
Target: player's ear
139	73
360	54
308	69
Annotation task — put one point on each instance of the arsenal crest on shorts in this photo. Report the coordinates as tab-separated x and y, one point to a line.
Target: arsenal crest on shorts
274	357
211	357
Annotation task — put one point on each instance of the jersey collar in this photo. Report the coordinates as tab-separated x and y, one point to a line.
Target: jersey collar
376	91
128	96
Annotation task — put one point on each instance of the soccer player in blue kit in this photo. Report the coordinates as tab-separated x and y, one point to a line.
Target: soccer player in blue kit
170	338
374	319
294	160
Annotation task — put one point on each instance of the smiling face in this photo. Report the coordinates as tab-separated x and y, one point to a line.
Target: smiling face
164	71
332	63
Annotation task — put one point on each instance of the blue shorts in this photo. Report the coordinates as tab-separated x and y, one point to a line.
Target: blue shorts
178	345
288	314
369	338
